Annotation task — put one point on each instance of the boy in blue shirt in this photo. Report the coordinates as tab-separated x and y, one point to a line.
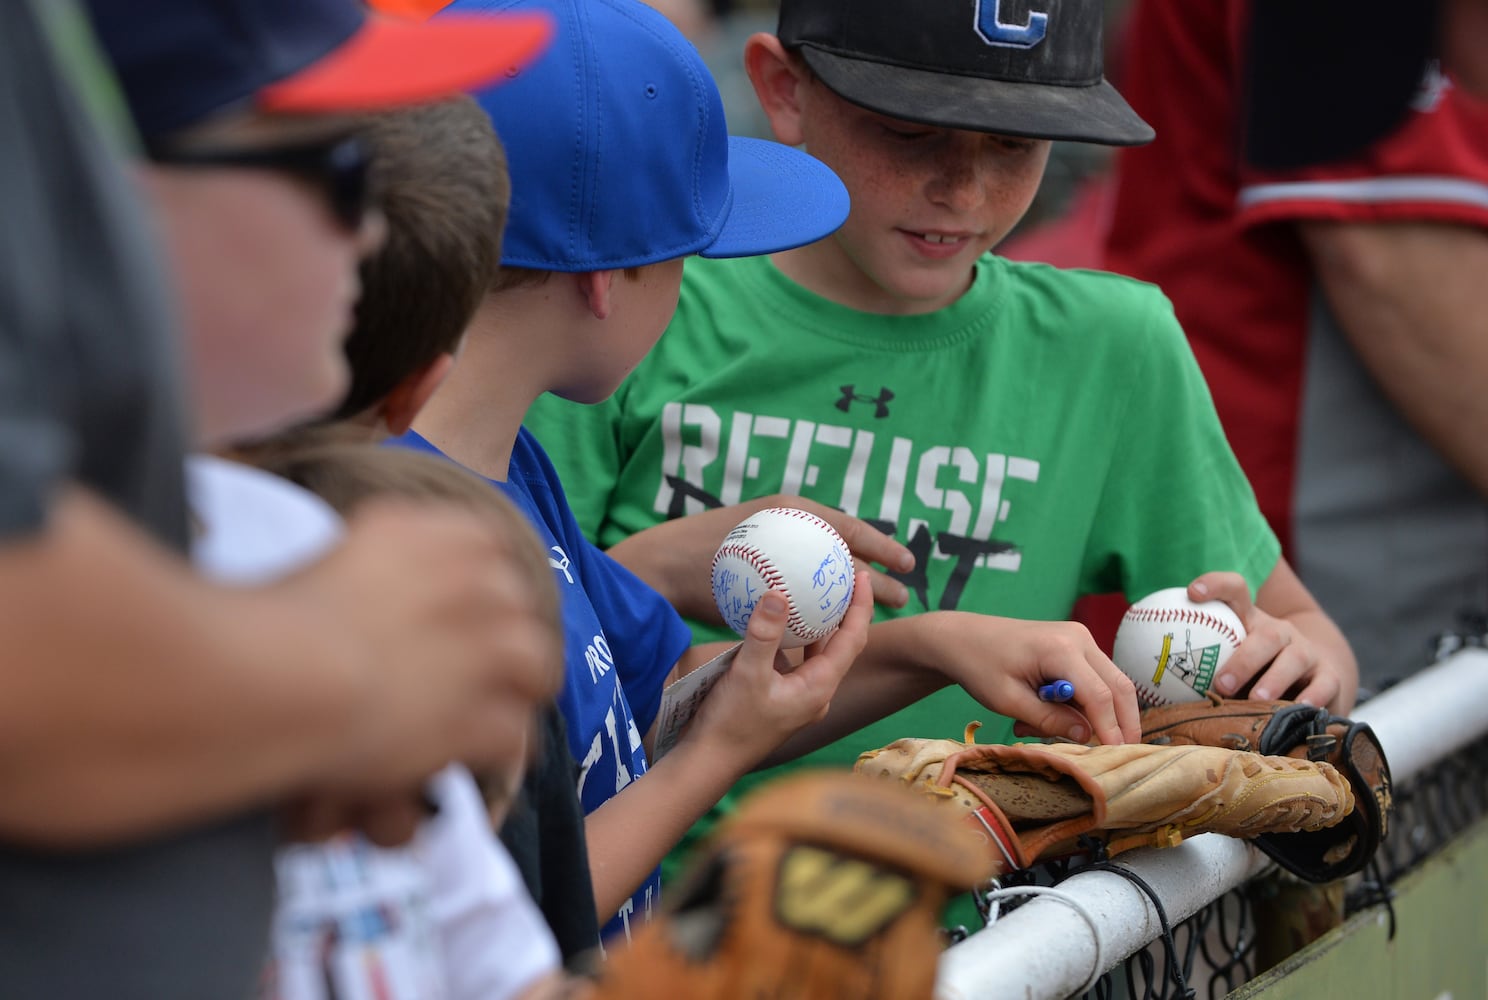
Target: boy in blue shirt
627	168
620	168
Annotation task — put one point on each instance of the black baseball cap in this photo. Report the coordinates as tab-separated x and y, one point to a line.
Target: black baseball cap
1016	67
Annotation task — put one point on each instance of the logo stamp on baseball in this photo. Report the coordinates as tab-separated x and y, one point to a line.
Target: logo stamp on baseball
795	553
1171	647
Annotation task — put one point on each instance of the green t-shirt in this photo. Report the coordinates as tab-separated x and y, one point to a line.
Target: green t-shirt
1047	436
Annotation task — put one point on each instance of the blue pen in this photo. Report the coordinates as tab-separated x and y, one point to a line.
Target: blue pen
1056	691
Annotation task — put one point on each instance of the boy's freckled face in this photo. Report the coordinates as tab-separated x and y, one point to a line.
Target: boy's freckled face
926	202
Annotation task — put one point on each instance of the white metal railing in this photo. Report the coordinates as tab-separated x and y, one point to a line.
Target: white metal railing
1048	948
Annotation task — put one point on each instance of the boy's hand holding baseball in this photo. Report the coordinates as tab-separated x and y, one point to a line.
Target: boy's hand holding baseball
762	700
1278	656
1002	662
754	706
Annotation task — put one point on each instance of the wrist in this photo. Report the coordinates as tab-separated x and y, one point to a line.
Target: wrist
918	643
709	761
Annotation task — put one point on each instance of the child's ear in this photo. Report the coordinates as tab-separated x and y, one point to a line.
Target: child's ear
777	77
408	397
594	288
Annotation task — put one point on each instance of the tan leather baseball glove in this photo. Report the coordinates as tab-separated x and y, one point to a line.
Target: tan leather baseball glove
1293	729
823	884
1037	801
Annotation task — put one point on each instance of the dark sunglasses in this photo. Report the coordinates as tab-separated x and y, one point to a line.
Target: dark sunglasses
339	166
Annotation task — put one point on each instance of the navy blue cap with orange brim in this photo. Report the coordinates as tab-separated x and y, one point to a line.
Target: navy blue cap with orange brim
180	62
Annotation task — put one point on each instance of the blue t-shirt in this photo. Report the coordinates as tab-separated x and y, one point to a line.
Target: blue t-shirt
620	640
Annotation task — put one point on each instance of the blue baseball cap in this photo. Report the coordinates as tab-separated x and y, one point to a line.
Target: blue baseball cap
620	156
180	62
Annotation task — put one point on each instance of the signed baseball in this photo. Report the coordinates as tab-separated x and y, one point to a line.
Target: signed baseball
795	553
1171	647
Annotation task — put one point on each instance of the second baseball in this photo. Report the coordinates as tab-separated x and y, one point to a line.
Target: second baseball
1172	647
794	553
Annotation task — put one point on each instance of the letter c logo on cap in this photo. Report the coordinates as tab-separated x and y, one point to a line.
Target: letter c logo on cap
994	31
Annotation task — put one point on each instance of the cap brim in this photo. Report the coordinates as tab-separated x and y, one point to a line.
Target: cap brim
1039	111
391	62
782	199
418	10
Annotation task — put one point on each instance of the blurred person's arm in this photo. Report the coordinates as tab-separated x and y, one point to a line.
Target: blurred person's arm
1412	299
135	697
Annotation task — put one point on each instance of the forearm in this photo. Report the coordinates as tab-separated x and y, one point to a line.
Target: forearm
679	575
630	834
998	661
137	697
1410	297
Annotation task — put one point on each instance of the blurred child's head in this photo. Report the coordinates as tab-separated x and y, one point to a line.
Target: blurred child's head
620	160
347	471
938	117
258	178
441	178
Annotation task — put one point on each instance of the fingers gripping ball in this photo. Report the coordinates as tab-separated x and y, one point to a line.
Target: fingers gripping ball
1171	647
792	552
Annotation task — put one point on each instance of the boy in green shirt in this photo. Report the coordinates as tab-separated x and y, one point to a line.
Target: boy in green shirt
1031	434
621	167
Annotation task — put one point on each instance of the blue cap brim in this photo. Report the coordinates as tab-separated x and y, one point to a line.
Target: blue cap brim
782	198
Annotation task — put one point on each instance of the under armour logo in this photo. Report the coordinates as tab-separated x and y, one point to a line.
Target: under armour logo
850	395
561	563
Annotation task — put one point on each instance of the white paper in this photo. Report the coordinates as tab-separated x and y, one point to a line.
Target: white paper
681	698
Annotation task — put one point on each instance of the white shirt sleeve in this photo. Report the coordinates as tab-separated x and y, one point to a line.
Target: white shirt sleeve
254	527
494	939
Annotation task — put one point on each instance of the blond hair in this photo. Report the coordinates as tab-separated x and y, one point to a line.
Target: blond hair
339	464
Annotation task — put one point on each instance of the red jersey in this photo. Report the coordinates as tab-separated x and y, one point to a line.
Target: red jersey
1186	198
1390	540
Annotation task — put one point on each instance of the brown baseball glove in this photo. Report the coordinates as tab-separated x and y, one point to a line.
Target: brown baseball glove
1040	801
823	884
1292	729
